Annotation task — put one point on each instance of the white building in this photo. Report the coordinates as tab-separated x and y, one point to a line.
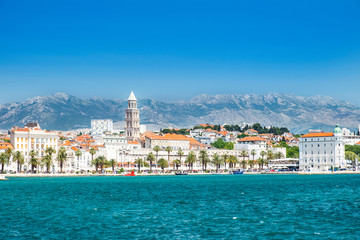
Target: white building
99	126
322	151
32	137
132	119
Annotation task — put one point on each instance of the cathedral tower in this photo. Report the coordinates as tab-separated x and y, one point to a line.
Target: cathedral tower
132	119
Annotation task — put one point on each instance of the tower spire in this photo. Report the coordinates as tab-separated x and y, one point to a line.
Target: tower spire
132	119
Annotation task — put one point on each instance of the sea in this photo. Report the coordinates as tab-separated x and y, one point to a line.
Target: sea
181	207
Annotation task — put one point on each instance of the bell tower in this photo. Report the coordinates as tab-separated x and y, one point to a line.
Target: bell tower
132	119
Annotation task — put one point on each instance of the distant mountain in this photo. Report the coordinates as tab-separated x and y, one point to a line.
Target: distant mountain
63	112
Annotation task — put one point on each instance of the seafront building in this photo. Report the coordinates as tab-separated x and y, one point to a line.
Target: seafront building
322	151
132	119
99	126
32	137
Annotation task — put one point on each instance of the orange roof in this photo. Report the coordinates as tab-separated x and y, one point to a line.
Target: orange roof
6	146
133	142
326	134
74	148
357	143
252	139
252	130
223	133
206	125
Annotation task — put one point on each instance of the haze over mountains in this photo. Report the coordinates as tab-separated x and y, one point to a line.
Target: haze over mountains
64	112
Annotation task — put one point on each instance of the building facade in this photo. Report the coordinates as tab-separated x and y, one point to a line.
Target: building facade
99	126
322	151
132	119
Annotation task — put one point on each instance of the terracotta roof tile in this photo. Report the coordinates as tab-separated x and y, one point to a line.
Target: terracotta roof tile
326	134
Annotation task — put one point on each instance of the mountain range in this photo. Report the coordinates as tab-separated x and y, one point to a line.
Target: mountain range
65	112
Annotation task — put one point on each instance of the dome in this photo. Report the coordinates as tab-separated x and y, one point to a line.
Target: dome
337	129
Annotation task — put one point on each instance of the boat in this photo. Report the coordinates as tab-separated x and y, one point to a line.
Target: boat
2	178
132	174
181	173
237	172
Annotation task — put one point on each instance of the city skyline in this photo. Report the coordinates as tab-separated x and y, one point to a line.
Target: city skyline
171	51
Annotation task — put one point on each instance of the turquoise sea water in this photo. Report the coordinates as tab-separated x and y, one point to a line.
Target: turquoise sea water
181	207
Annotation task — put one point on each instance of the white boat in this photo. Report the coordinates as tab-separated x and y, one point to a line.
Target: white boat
2	178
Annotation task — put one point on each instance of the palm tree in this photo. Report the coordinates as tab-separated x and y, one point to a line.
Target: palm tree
270	156
95	162
33	160
233	160
101	161
279	155
177	163
253	153
92	152
139	162
50	151
4	159
78	154
156	149
61	157
262	154
19	159
244	154
169	150
47	161
217	161
204	159
190	159
243	164
225	159
163	163
112	163
251	163
150	157
180	153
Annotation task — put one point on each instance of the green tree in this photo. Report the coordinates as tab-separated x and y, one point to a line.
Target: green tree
101	161
190	160
47	161
204	159
62	157
243	164
156	150
169	150
253	153
351	156
112	163
163	163
177	163
95	162
233	161
78	154
92	152
33	160
225	159
180	153
219	144
19	159
4	160
150	157
261	162
139	162
217	161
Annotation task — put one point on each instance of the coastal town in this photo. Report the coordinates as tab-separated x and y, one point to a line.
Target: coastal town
204	148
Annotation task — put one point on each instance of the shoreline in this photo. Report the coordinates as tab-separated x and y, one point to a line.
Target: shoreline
172	174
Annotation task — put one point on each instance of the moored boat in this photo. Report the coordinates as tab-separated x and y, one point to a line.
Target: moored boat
237	172
2	178
181	173
132	174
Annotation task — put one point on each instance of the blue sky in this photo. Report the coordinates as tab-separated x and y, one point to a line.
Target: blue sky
171	50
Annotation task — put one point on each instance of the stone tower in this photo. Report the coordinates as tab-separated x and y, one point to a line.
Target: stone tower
132	119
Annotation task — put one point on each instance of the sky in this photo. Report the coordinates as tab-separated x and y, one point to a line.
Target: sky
172	50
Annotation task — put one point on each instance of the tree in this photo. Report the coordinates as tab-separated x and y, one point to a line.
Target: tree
33	160
262	154
190	160
156	150
243	164
150	157
47	161
139	162
217	161
78	154
180	153
92	152
169	150
225	159
61	157
112	163
50	151
177	163
19	159
95	162
101	161
243	154
351	156
4	160
261	162
163	163
233	161
279	155
204	159
251	163
253	153
219	144
270	156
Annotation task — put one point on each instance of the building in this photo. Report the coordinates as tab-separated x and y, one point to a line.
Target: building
322	151
99	126
132	119
32	137
251	132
